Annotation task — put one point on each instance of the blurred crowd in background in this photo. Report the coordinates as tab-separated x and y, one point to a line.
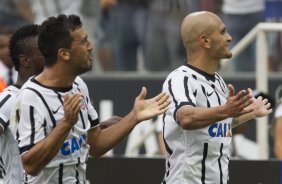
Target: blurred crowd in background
141	35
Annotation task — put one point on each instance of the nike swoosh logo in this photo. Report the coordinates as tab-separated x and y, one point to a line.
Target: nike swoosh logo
209	94
54	112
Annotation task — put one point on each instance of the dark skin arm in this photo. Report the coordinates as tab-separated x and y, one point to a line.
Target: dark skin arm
109	122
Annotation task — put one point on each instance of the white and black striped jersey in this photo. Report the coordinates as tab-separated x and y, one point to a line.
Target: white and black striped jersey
196	156
10	161
37	111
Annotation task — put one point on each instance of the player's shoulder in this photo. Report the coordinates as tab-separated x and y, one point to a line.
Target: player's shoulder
79	81
9	93
181	72
217	76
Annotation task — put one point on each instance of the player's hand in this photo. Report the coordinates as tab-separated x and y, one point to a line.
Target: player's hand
260	106
146	109
72	104
236	103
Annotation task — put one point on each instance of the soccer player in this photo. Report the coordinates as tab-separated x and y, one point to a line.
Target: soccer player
57	125
197	126
28	61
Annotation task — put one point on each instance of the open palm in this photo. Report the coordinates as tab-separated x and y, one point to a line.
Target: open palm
148	108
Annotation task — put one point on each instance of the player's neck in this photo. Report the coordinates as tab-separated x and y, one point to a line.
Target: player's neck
204	64
55	78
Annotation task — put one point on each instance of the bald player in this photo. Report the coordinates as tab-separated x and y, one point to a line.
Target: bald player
198	125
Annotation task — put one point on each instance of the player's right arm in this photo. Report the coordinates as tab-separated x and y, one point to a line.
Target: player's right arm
42	152
191	118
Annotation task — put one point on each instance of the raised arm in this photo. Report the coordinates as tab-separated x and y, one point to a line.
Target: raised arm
101	141
35	159
192	118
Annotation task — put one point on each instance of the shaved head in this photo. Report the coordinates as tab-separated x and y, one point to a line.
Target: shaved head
195	25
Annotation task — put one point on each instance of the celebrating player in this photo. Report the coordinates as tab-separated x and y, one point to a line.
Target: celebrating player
57	125
197	126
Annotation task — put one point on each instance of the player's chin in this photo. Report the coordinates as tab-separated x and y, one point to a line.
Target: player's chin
228	55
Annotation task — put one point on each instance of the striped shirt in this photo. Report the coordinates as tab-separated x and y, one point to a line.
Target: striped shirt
37	111
10	162
196	156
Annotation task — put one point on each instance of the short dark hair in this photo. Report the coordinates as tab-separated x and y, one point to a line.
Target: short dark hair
55	33
18	44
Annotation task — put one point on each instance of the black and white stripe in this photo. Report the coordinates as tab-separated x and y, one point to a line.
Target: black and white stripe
40	109
190	86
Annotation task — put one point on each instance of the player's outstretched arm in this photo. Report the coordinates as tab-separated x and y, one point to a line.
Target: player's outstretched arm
101	141
44	151
192	118
260	107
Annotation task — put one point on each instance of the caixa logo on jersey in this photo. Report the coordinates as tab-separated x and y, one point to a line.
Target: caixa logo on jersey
220	130
73	144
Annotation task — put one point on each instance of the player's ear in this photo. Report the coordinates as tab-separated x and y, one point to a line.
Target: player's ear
24	61
64	54
205	41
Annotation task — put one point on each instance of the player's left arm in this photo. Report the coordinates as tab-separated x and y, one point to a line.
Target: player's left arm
260	107
110	122
102	140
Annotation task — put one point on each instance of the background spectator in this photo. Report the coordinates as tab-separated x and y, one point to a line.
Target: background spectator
128	24
8	73
240	17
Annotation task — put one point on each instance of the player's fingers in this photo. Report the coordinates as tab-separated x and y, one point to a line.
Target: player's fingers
159	97
163	98
265	101
245	104
142	94
77	105
242	95
164	105
66	99
260	98
162	111
74	99
77	102
250	91
231	90
267	106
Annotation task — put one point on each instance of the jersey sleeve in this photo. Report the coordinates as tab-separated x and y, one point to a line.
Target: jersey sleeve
182	92
3	121
31	124
92	113
5	109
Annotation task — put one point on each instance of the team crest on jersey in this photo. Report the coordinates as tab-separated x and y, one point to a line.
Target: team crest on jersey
220	130
83	104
